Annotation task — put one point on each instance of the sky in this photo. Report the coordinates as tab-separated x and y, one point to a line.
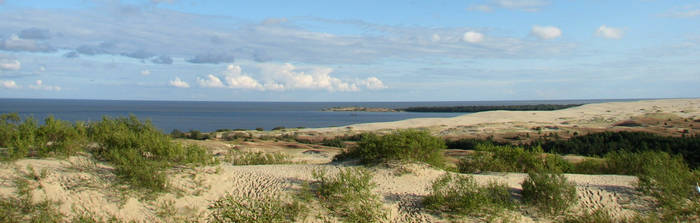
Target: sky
358	50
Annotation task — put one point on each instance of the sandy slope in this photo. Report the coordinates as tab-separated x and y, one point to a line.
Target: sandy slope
81	184
602	115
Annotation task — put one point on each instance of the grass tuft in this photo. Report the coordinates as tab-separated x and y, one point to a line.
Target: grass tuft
550	192
410	145
248	209
457	194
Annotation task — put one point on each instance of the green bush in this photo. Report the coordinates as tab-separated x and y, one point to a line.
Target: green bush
335	142
140	152
348	195
668	179
413	145
550	192
55	138
259	158
462	195
495	158
248	209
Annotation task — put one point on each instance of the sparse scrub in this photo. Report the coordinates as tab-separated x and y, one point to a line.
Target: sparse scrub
22	208
140	152
668	179
461	195
334	142
550	192
25	138
259	158
495	158
595	216
411	145
348	195
248	209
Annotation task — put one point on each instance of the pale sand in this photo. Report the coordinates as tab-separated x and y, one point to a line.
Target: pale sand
600	115
81	184
82	187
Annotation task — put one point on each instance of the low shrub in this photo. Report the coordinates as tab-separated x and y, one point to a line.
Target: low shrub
335	142
140	152
462	195
668	179
495	158
248	209
258	158
348	195
595	216
55	138
550	192
412	145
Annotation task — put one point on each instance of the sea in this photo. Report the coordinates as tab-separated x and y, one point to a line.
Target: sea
209	116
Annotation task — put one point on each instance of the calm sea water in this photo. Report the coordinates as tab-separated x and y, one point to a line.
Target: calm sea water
209	116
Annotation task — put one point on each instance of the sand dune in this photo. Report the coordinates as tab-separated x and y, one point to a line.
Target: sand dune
81	184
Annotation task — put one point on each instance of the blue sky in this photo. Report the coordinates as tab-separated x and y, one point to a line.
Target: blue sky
349	51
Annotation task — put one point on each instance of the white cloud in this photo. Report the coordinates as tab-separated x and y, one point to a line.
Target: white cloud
546	32
9	84
211	81
279	77
14	43
473	37
609	32
522	5
179	83
482	8
145	72
373	83
6	64
42	68
436	37
39	85
687	11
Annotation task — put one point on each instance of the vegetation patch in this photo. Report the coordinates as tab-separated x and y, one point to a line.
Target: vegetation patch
549	192
258	158
138	150
489	157
23	209
248	209
410	145
347	195
456	194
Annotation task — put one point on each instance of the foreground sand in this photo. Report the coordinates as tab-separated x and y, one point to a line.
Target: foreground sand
79	183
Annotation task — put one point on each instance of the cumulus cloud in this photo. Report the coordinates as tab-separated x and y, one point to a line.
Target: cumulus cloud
9	84
34	33
212	58
473	37
373	83
609	32
178	83
522	5
14	43
162	59
8	64
39	85
210	81
546	32
278	77
145	72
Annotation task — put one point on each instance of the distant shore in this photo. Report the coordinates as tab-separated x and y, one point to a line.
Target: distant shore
456	109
